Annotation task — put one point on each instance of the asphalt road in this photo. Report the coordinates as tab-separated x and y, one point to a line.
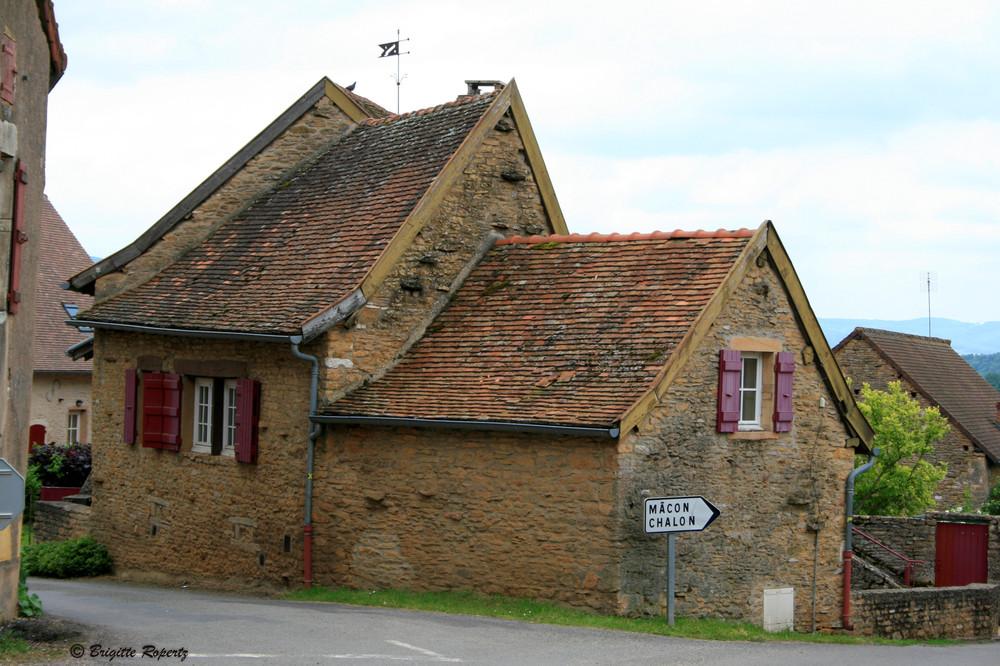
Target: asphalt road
220	629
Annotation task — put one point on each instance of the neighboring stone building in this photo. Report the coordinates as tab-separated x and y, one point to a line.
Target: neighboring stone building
376	345
31	61
935	375
60	390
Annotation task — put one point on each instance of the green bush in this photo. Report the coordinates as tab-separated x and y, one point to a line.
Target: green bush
28	604
992	505
66	559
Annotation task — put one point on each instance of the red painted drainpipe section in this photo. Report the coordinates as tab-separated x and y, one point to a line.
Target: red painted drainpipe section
846	618
307	531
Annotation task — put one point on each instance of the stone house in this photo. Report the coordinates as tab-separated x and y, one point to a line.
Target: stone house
935	375
394	344
60	389
31	62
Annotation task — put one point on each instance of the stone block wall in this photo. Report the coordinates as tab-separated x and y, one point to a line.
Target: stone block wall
968	468
781	495
972	611
426	509
197	516
60	521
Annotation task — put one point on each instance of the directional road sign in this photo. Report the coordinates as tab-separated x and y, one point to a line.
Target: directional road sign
11	494
678	514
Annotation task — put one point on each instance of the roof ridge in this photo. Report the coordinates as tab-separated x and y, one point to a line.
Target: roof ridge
461	101
616	237
897	334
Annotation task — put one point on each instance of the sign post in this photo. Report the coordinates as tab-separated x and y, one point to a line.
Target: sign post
671	515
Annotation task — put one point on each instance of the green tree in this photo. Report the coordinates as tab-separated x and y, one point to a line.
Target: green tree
902	482
994	379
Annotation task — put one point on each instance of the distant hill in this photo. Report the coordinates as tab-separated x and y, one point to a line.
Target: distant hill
966	338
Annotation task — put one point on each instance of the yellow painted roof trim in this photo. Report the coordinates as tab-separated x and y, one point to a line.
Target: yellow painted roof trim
344	102
764	238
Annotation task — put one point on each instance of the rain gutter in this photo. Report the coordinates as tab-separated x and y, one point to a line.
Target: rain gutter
182	332
489	426
314	431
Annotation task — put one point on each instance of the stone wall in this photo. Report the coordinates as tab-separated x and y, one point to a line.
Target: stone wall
972	611
968	468
508	513
60	521
916	538
781	494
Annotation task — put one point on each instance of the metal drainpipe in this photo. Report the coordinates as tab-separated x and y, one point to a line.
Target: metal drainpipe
314	430
848	547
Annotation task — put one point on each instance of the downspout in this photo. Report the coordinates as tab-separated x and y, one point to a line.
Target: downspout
848	547
314	430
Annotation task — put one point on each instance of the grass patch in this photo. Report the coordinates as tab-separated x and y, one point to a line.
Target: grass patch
11	645
529	610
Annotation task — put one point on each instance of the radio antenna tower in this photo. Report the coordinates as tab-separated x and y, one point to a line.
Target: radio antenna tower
928	281
390	49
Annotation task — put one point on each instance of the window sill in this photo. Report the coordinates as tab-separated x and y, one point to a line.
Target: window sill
753	434
208	458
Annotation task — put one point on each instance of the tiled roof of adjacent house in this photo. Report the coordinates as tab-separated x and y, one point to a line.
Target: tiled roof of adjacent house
308	243
61	255
945	379
561	330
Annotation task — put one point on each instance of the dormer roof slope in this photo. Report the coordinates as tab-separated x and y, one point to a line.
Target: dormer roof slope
561	330
944	378
60	256
309	242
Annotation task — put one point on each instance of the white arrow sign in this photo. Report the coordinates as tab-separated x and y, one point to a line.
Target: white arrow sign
677	514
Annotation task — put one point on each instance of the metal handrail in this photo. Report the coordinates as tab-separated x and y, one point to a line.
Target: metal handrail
909	562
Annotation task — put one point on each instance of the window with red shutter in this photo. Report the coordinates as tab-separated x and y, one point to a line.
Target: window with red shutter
247	416
161	411
131	404
730	368
19	237
8	68
784	369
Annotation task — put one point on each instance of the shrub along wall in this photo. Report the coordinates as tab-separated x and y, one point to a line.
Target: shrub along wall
972	611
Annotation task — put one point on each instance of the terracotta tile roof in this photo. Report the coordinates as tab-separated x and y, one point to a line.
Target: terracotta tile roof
61	255
563	330
368	106
945	379
308	243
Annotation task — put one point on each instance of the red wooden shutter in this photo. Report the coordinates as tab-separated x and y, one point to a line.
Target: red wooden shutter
19	238
730	366
247	417
161	411
8	68
152	410
171	412
784	410
131	400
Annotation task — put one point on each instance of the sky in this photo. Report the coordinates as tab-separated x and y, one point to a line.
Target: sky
868	132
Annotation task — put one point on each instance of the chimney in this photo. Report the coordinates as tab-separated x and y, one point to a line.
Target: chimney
474	86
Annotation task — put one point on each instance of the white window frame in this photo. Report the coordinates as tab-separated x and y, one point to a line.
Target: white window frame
201	436
751	421
229	418
73	427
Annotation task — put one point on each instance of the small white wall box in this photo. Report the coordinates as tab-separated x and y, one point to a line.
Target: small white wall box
779	609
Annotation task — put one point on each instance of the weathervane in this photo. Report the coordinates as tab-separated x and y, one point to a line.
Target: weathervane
392	49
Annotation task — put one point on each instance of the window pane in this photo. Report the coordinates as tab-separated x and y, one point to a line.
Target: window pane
203	412
230	437
748	410
750	371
